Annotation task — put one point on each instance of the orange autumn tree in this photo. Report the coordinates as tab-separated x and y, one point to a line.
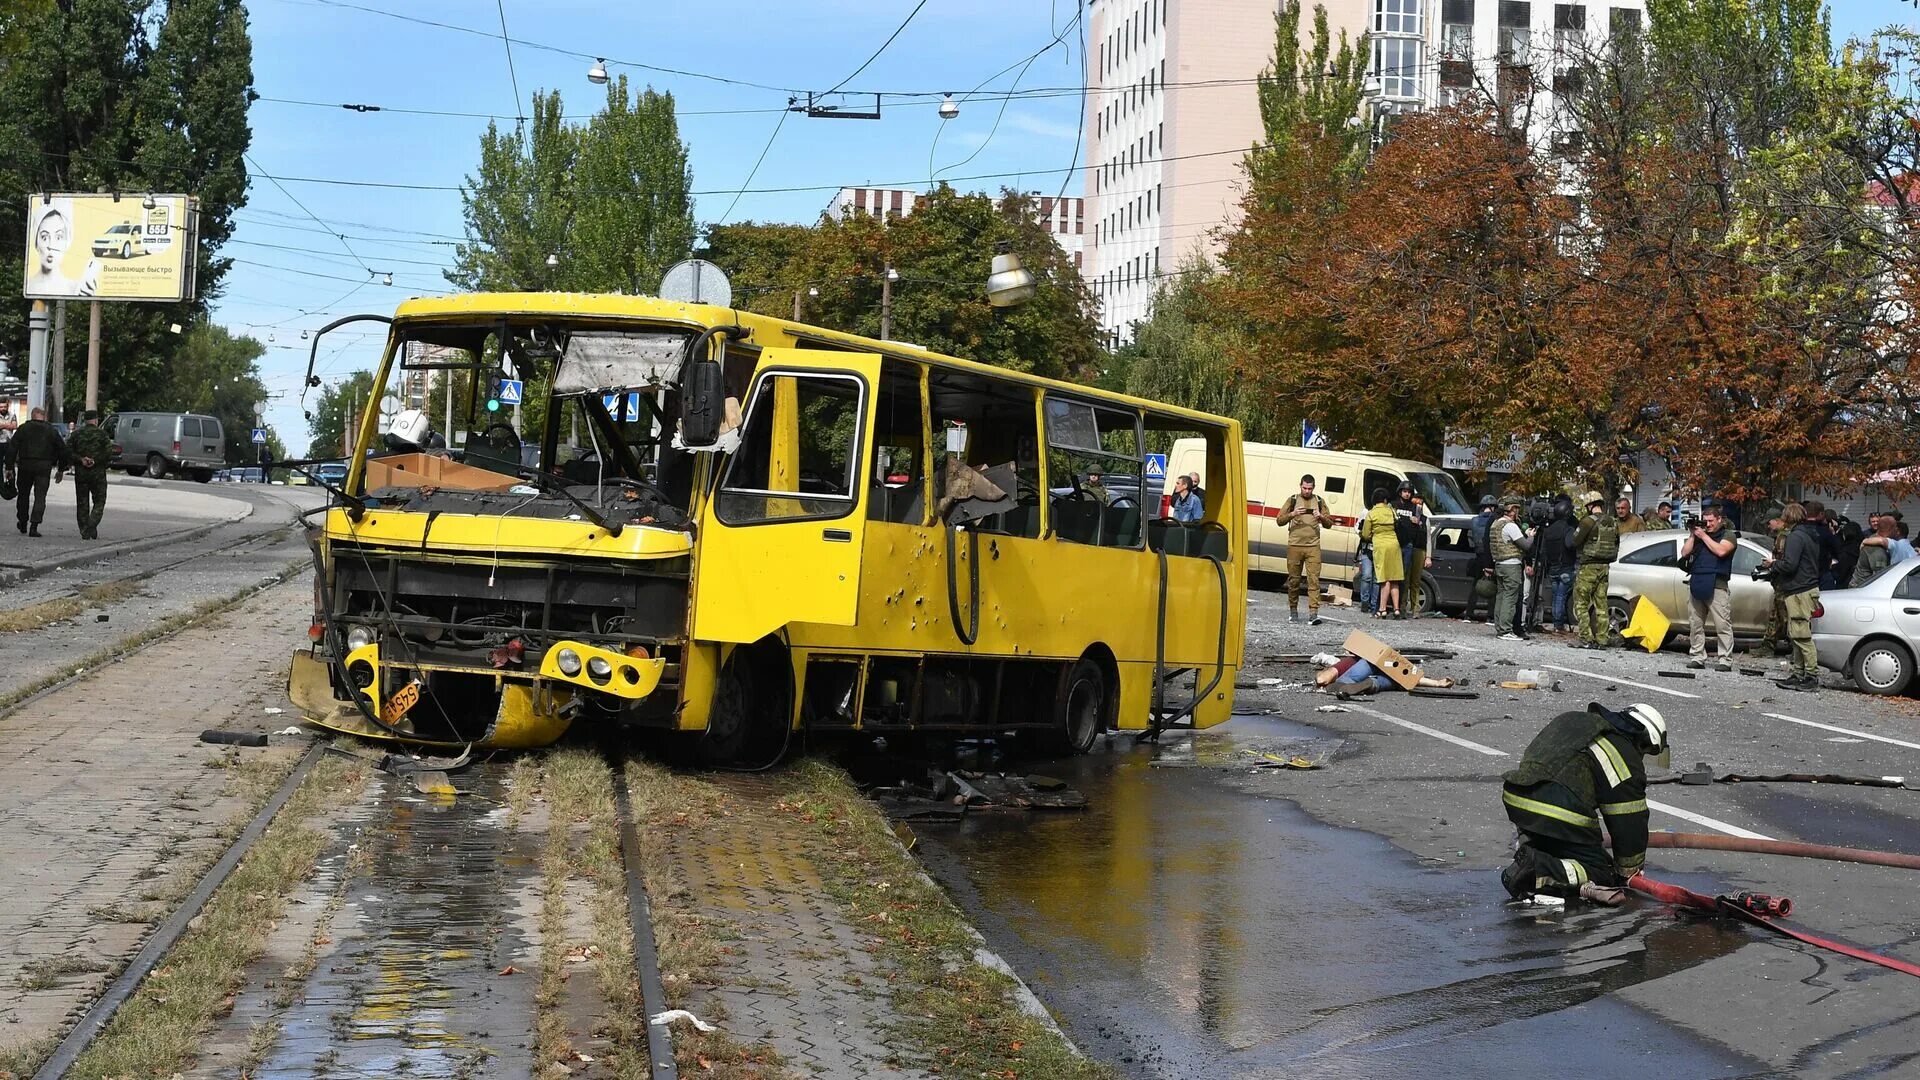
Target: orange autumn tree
1442	294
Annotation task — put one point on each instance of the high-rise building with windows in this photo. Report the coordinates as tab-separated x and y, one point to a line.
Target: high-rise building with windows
1171	108
1171	111
1522	55
1066	219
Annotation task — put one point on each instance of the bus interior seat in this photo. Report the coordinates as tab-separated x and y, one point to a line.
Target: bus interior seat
903	505
1120	526
1077	520
1208	542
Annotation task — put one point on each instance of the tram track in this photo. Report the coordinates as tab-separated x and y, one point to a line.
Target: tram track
422	938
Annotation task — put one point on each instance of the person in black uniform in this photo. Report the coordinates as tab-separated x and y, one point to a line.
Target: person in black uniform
1582	769
36	455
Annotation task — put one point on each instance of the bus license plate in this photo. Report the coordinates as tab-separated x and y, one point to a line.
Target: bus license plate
402	700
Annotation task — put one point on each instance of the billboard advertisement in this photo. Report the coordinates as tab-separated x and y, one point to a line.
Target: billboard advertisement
99	247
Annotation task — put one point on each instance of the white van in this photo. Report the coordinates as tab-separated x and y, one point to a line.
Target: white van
1346	479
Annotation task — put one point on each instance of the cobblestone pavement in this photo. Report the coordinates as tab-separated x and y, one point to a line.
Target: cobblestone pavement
423	920
798	978
109	799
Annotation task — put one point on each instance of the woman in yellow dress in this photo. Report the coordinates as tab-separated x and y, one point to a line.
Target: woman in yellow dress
1388	569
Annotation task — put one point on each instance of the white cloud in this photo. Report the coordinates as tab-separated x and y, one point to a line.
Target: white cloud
1041	126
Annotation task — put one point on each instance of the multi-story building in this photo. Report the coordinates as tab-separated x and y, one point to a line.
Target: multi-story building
1172	109
1171	112
1066	219
1522	55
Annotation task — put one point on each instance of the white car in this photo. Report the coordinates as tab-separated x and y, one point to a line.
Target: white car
1870	633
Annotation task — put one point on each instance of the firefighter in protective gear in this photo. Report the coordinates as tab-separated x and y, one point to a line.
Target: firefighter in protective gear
1582	769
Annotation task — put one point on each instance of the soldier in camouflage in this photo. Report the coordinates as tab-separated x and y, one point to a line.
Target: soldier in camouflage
90	449
1597	541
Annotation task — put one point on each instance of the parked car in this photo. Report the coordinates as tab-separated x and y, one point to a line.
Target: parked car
331	472
250	476
1649	565
160	444
1870	633
125	240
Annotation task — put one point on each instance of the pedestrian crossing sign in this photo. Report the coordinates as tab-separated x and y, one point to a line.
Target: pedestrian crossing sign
260	436
508	392
1157	468
620	410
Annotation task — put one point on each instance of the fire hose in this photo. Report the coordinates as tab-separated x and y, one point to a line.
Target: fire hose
1782	847
1760	910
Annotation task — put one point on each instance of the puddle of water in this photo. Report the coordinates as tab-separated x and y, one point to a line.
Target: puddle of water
1185	929
412	986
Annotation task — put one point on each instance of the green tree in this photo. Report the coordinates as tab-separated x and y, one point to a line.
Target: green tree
1183	355
334	410
609	201
941	254
132	96
1312	93
219	375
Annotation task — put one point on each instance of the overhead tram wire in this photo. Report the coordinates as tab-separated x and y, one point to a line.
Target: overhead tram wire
1080	116
544	47
883	48
513	76
753	172
257	170
1023	64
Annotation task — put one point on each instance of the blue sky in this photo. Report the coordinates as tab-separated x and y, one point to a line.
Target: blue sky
291	275
321	52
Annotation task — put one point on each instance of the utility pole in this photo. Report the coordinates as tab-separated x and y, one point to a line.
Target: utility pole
37	332
886	303
93	355
796	305
446	376
57	367
346	428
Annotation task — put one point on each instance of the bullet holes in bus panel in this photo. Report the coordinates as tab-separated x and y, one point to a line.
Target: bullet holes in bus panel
1094	470
986	462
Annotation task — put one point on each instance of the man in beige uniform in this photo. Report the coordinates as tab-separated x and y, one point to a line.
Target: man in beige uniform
1304	514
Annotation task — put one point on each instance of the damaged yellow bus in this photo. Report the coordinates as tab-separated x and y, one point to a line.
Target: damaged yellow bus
738	528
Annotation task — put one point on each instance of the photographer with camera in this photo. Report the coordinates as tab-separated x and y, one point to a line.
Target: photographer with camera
1710	549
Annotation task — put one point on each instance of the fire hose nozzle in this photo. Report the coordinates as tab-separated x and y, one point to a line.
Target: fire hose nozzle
1772	907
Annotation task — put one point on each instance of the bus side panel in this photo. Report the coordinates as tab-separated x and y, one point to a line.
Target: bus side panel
699	675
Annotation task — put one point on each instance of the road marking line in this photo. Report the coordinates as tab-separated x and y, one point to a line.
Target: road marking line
1462	645
1665	808
1411	726
1624	682
1702	819
1841	730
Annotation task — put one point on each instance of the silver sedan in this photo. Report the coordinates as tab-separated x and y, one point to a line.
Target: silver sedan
1649	565
1869	633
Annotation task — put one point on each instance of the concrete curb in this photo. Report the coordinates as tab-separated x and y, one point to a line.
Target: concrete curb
1023	995
15	575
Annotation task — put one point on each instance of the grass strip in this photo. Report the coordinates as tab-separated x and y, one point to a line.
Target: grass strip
167	627
34	616
159	1030
690	945
963	1016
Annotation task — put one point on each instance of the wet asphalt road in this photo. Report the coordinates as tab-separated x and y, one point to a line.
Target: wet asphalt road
1206	919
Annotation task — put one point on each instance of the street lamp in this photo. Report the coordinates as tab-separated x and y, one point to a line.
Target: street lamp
949	108
1010	284
597	74
552	261
147	203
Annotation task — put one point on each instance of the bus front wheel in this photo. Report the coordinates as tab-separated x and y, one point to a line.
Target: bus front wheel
749	707
1081	706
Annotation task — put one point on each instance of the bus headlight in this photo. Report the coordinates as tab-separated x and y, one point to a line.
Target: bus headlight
359	637
599	670
569	662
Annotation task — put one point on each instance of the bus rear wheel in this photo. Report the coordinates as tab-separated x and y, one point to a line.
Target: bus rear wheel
1081	706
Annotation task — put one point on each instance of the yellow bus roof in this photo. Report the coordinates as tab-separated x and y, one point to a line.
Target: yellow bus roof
615	306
